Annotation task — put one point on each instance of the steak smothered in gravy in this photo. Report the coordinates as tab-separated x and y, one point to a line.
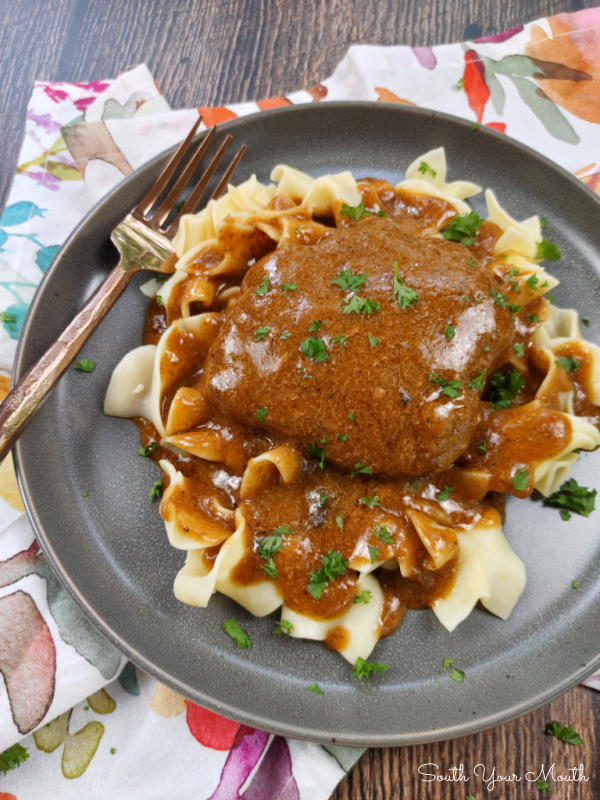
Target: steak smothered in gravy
342	395
345	341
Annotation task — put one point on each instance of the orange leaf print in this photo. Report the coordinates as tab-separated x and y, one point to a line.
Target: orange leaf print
572	78
273	102
213	116
385	96
474	84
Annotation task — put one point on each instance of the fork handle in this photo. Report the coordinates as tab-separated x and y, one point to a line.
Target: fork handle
21	403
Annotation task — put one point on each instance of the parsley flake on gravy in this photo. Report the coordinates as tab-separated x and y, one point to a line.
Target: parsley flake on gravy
341	340
283	530
520	480
318	453
85	366
370	502
285	335
322	498
264	286
563	733
373	341
360	305
289	287
483	447
577	498
159	300
382	533
364	669
333	566
145	451
424	168
314	687
315	326
444	494
479	382
339	521
270	569
533	318
505	387
532	281
261	333
381	213
373	553
283	627
260	415
269	545
519	349
449	332
502	301
547	250
233	628
314	348
354	212
463	229
567	363
403	294
342	437
349	282
449	388
360	469
351	417
363	597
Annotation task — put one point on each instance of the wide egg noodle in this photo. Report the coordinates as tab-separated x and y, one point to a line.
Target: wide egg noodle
361	623
128	393
318	194
433	181
520	237
551	473
560	323
488	571
284	460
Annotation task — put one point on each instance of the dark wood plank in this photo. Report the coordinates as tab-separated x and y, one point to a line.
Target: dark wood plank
516	748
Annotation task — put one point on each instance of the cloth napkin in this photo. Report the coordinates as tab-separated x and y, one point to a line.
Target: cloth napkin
95	726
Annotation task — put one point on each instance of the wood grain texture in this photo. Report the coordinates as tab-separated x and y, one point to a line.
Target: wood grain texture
210	52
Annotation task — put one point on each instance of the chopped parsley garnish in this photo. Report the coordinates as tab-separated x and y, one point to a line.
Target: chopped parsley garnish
360	469
354	212
315	326
264	286
563	733
381	213
449	332
542	786
289	287
382	533
486	348
363	597
572	495
342	437
520	480
233	628
314	687
360	305
155	491
145	451
444	494
519	349
12	758
449	388
456	674
159	300
505	387
269	545
84	494
502	301
574	585
565	515
550	298
403	294
466	298
483	447
283	530
463	229
85	366
479	382
424	168
112	751
475	127
261	333
351	417
314	348
373	341
587	322
568	363
322	497
260	415
283	627
349	282
532	281
333	566
370	502
318	453
340	339
285	335
547	250
514	271
543	222
339	521
473	263
270	569
533	318
363	669
373	553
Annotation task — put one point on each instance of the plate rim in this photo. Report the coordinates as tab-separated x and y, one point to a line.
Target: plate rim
218	706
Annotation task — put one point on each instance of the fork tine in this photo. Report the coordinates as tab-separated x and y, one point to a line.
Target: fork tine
227	177
148	200
165	208
194	198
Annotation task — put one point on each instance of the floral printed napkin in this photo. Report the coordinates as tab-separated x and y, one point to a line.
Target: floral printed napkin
88	732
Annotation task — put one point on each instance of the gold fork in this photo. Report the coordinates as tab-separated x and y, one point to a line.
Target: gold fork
143	243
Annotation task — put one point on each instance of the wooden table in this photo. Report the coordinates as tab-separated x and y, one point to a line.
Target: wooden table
210	52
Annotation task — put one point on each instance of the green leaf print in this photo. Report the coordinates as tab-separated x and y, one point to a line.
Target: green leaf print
545	110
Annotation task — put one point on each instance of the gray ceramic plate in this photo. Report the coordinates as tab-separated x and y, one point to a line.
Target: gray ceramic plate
110	549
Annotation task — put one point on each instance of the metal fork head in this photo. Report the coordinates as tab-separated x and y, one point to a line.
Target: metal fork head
141	239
